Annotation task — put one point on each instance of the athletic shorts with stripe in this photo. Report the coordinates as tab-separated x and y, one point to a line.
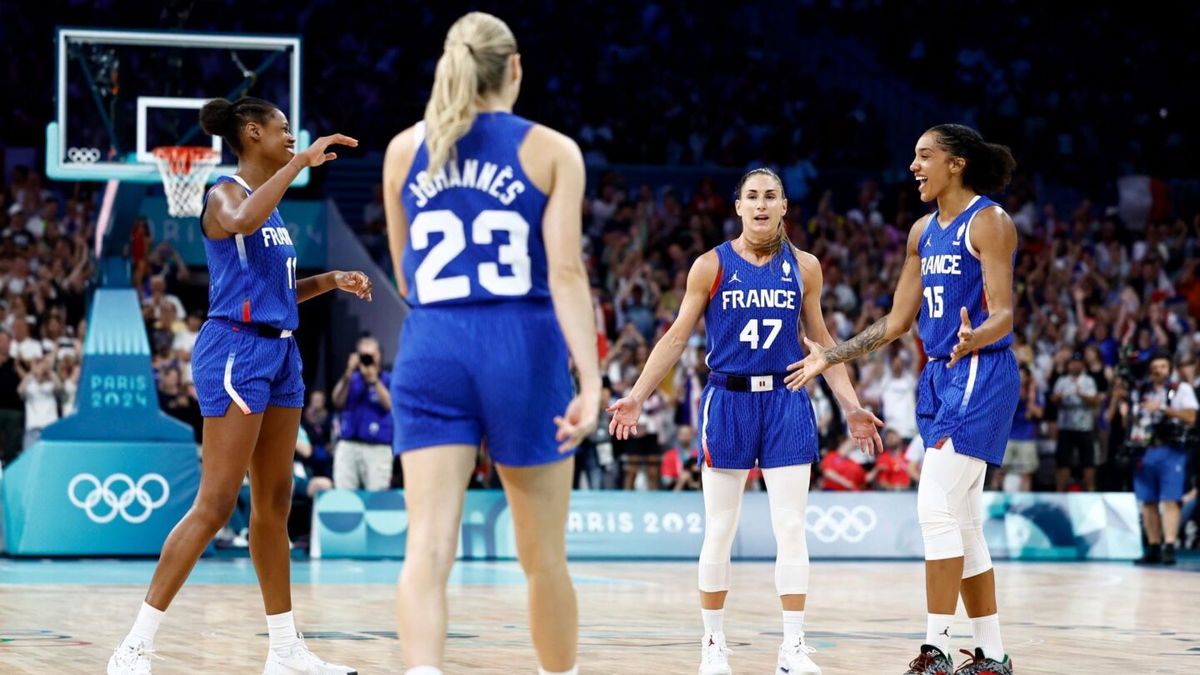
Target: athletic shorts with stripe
972	403
771	428
239	367
492	370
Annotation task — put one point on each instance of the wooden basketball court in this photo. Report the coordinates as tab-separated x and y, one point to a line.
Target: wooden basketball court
635	617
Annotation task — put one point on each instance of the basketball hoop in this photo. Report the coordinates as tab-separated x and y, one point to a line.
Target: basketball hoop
184	170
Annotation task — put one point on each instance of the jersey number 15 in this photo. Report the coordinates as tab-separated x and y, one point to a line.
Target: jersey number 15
515	254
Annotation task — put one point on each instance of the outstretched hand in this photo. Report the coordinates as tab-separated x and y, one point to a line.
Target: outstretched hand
966	339
625	414
811	366
317	153
864	429
354	282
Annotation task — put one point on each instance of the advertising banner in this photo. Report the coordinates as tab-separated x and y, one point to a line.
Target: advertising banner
666	525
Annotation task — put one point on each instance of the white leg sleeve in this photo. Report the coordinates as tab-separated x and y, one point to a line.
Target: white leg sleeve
946	478
976	558
787	491
723	490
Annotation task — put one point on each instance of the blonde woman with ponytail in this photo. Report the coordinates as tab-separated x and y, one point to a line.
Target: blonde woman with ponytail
756	293
484	226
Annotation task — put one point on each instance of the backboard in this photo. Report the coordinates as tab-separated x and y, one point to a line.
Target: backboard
122	93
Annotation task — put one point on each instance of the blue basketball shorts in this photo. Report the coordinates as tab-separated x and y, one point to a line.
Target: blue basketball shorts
972	403
771	428
232	365
495	371
1161	475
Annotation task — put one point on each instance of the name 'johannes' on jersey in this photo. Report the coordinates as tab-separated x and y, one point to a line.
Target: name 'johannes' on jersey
475	227
951	277
753	316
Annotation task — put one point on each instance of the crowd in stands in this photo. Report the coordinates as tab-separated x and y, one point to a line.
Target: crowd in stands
717	86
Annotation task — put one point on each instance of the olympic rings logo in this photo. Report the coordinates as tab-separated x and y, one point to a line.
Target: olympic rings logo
83	155
118	503
838	522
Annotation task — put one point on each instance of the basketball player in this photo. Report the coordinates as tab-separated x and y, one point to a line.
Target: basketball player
960	256
248	376
485	229
754	293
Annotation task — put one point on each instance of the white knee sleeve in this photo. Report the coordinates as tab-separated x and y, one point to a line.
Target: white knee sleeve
791	558
722	510
787	490
976	558
939	526
949	508
715	568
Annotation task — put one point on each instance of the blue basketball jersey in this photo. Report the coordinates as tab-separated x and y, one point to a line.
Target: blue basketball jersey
475	228
252	278
753	314
951	278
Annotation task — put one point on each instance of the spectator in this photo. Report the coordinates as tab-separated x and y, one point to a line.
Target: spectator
1076	396
891	468
363	456
1021	455
683	461
40	389
159	296
68	371
1166	412
839	472
12	408
898	396
318	426
26	349
179	400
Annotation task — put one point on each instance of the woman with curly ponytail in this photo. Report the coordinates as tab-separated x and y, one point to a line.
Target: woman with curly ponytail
959	257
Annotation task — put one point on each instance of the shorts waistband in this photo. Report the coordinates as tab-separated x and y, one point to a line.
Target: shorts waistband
753	383
259	329
982	352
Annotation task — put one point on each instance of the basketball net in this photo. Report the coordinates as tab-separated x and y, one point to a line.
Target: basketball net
184	170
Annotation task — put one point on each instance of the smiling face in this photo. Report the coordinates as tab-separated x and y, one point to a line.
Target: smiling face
761	206
934	167
272	137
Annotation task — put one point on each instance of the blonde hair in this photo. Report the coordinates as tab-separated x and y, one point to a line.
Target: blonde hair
473	63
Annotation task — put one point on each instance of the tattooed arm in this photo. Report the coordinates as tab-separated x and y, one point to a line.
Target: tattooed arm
906	302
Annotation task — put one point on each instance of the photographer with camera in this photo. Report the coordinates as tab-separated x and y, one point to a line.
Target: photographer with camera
362	458
1164	418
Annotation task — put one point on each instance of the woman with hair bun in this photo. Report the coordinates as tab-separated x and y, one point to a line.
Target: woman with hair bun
247	371
961	255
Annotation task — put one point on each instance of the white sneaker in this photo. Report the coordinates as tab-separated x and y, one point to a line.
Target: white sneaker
300	661
714	655
130	659
794	660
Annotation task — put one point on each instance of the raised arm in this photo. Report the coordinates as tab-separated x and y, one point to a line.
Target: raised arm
231	211
666	353
863	425
906	302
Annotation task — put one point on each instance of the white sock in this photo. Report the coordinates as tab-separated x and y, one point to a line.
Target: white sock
793	626
937	631
714	621
423	670
986	630
145	626
282	631
573	671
